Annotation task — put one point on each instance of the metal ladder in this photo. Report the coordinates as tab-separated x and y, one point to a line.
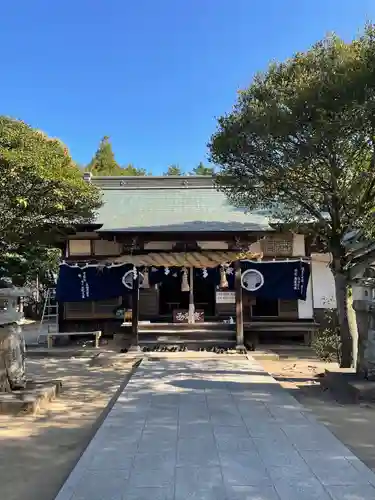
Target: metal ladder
50	316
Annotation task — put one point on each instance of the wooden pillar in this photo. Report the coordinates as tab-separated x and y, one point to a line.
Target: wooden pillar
239	306
191	296
135	310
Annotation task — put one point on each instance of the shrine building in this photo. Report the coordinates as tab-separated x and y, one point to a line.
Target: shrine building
171	259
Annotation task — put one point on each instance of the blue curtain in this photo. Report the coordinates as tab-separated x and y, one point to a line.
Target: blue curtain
157	275
76	284
276	280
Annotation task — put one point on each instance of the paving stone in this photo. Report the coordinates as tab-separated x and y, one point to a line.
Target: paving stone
101	485
243	458
152	477
264	429
252	493
197	452
357	492
199	483
229	443
310	489
112	461
289	473
278	453
312	437
256	475
222	417
365	472
195	430
151	493
230	431
158	460
194	416
213	430
156	445
333	469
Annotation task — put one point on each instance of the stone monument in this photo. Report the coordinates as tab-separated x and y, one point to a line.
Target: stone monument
364	307
12	342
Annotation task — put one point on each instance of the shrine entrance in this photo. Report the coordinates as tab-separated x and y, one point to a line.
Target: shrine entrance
172	296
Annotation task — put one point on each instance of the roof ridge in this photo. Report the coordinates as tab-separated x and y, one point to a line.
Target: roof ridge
153	182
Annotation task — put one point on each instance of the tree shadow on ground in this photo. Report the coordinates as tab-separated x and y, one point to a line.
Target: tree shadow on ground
45	447
351	422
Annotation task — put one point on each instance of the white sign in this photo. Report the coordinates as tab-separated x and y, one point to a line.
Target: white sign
225	297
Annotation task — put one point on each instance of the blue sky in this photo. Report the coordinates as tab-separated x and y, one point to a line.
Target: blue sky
151	74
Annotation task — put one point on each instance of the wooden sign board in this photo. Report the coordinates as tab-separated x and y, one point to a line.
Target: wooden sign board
182	316
228	297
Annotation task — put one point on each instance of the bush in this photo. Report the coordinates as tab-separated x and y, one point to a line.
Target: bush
326	344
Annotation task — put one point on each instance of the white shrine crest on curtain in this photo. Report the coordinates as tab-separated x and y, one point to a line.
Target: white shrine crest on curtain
127	279
252	280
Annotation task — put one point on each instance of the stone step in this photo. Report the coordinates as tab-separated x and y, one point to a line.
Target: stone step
193	334
200	343
280	327
205	326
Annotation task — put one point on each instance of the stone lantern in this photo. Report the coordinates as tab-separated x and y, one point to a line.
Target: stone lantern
12	342
364	307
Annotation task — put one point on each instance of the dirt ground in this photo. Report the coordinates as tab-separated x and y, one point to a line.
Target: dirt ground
37	453
353	424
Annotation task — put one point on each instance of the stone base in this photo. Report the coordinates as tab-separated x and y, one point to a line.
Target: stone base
349	386
241	349
135	349
122	340
27	401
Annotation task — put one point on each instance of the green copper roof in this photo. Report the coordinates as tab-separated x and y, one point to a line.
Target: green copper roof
170	204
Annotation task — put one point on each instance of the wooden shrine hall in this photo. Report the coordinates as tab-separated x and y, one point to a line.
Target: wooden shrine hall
170	260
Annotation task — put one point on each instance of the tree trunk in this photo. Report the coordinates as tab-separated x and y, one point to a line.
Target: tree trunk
342	313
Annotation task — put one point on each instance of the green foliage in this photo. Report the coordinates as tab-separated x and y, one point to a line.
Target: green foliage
300	142
173	170
326	342
104	163
132	170
42	190
326	345
29	262
202	170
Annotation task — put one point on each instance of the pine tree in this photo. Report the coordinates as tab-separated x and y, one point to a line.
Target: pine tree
103	162
201	169
173	170
132	170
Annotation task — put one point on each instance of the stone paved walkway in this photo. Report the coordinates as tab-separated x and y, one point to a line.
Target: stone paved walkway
219	429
